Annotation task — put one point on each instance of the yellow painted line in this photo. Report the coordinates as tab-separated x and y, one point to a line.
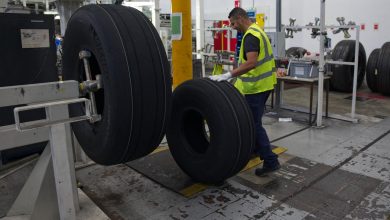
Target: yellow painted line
256	161
159	149
190	190
279	150
193	189
198	187
252	163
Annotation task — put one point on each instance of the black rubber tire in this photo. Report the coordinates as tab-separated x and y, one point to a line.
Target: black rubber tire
135	101
384	69
372	70
342	78
230	122
336	52
296	52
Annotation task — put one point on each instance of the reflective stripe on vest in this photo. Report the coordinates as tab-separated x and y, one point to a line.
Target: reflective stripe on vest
267	57
257	78
262	77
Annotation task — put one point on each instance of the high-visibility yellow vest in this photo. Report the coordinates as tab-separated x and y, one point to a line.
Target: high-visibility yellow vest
263	77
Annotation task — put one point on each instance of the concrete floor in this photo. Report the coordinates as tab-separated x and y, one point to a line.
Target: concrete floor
341	171
368	104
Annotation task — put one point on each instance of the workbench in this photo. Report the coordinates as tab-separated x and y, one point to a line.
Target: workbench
306	81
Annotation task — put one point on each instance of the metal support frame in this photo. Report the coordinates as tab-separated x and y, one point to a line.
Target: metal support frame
321	66
50	192
278	15
156	15
355	72
323	62
90	83
308	81
65	9
199	10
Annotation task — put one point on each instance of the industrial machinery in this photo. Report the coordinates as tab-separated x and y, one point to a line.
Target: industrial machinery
278	43
347	63
342	76
108	111
50	192
26	46
302	68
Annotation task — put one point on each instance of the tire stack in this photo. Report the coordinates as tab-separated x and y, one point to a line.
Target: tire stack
222	154
384	69
342	78
134	103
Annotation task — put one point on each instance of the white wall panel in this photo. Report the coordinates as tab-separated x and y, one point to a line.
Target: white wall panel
365	12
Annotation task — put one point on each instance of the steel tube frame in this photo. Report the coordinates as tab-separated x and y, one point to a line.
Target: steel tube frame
278	15
50	191
296	27
321	66
355	72
341	63
323	62
199	10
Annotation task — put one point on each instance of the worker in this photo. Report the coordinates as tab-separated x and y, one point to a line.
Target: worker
256	78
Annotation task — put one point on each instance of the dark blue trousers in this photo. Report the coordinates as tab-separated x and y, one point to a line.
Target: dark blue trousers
263	147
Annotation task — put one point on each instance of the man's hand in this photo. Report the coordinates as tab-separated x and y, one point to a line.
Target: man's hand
281	72
222	77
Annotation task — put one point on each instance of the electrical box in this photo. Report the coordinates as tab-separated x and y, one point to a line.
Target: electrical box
302	69
27	49
27	56
27	52
278	43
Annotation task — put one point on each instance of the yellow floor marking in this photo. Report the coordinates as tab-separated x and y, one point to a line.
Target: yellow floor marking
159	149
193	189
256	161
198	187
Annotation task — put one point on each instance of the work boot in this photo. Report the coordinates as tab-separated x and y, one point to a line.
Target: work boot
264	170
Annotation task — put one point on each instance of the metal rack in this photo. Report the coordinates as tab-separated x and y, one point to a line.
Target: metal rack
50	191
323	62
